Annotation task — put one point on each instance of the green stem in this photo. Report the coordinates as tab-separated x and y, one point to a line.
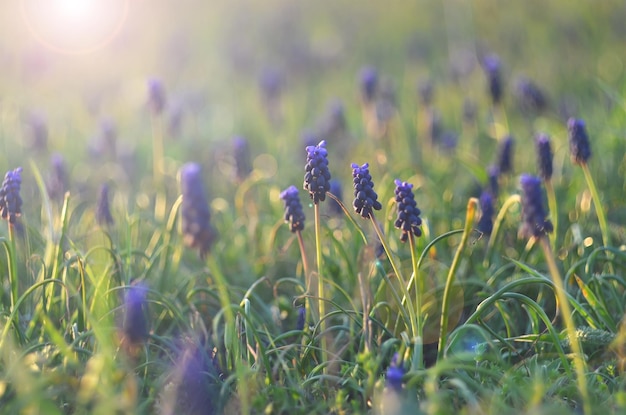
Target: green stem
566	312
470	215
418	357
13	268
604	228
307	277
554	213
321	297
411	312
230	332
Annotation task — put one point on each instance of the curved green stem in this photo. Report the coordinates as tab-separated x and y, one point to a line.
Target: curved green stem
554	213
418	356
411	312
566	311
604	228
321	297
470	215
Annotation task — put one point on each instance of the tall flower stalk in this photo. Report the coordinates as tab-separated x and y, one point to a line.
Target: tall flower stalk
10	210
365	202
535	225
156	103
317	183
294	216
545	168
580	151
409	222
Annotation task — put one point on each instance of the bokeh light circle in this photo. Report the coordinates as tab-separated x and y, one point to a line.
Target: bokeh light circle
74	26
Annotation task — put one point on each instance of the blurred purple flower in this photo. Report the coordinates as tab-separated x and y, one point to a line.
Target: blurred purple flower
197	230
10	200
156	96
241	155
493	71
579	146
505	155
368	82
544	156
485	223
534	215
294	215
58	182
135	323
103	208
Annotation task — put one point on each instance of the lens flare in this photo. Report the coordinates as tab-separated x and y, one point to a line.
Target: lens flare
74	26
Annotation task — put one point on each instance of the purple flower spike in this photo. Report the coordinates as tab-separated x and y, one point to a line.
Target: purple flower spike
492	67
368	81
294	215
103	208
534	215
492	180
317	174
156	95
485	223
58	182
408	219
193	386
544	156
365	198
505	155
579	147
241	154
337	191
198	232
135	325
10	200
395	373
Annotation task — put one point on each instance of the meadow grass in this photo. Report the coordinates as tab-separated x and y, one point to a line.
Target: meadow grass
195	297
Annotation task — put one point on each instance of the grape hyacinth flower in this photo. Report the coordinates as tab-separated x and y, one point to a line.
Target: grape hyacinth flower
408	219
492	180
544	156
337	191
492	68
579	147
395	373
57	183
425	91
294	215
156	96
37	128
135	324
10	200
505	155
198	233
317	174
301	318
368	82
529	96
365	198
103	208
485	223
534	215
193	385
241	154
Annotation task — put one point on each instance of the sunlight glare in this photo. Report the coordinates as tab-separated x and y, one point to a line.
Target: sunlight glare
74	26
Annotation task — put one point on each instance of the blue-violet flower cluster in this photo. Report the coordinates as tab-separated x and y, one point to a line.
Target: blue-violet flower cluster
408	219
365	198
317	174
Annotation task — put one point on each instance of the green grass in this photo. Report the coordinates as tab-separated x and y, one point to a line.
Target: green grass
489	337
